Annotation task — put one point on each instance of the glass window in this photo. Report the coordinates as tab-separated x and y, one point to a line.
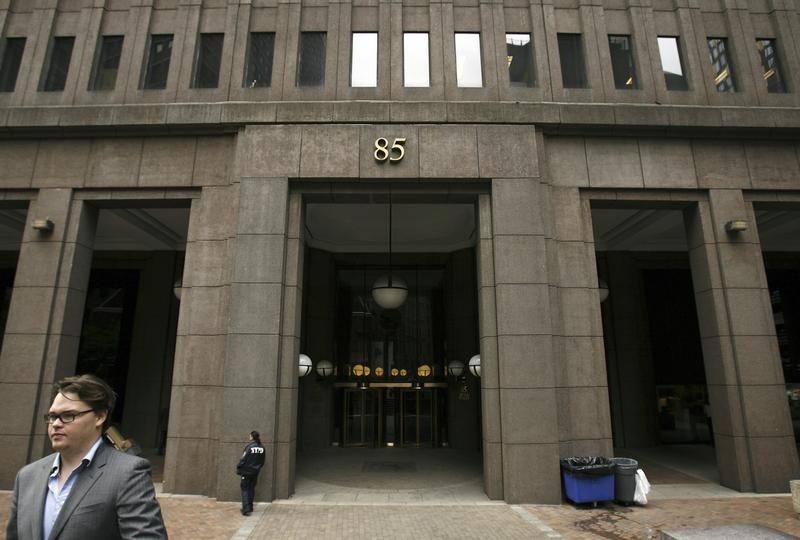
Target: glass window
672	64
155	76
416	63
311	64
621	48
573	68
12	58
207	61
104	75
723	69
768	51
364	64
58	65
468	60
519	57
259	59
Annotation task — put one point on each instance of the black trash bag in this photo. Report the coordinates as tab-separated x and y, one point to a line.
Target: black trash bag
588	466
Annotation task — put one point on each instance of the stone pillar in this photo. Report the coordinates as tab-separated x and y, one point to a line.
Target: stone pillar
201	346
584	419
491	428
752	428
44	322
526	377
260	374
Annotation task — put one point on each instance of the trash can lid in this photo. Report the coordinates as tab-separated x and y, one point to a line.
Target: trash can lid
625	463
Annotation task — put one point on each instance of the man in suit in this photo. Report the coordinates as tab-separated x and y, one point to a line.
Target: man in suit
87	489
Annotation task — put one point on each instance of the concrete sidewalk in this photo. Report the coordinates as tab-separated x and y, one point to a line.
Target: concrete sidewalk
193	517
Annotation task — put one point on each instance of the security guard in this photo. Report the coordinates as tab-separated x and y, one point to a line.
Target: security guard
248	468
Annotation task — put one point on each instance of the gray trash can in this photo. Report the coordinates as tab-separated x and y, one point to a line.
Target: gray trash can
624	479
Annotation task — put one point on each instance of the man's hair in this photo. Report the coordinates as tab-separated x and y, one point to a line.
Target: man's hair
256	436
90	389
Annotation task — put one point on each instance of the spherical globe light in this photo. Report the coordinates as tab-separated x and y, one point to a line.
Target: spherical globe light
304	365
389	297
324	368
455	368
475	365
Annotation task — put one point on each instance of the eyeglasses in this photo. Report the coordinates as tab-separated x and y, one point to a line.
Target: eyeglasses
65	417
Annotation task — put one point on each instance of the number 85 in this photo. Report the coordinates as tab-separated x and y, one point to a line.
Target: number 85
384	152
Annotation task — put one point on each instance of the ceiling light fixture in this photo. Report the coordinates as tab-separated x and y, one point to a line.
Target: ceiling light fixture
389	291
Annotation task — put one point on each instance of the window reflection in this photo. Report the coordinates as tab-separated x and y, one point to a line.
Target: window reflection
259	59
364	62
57	68
311	63
621	49
12	59
723	70
672	64
519	57
155	76
208	60
768	51
104	76
416	69
468	60
573	67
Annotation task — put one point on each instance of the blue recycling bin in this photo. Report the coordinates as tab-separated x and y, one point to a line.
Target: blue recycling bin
588	479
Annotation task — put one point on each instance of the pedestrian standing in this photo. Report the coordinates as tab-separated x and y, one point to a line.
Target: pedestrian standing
248	468
86	489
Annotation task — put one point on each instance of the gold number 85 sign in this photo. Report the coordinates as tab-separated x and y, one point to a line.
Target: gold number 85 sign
384	152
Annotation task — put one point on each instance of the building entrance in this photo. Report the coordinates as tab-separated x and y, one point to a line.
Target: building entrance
381	376
394	417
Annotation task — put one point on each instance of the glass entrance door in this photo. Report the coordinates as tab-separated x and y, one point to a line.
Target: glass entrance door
419	417
360	417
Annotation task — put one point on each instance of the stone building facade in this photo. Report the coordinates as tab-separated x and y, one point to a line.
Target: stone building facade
220	176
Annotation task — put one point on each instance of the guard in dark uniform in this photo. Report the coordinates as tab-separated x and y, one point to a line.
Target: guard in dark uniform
248	468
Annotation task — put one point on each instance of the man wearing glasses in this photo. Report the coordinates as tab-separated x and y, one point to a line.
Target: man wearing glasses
87	489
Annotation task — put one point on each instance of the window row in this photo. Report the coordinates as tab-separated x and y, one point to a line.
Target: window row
364	61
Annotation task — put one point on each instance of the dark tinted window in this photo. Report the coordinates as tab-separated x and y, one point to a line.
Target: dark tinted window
58	65
519	57
155	76
12	58
621	49
259	59
573	68
104	76
208	60
311	62
768	51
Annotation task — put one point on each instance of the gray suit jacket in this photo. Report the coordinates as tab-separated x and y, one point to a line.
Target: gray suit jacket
112	498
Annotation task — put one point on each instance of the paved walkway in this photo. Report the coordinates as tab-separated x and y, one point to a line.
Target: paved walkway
441	496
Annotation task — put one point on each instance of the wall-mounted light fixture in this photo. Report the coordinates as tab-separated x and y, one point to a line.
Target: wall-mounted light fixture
177	289
736	226
324	368
43	225
303	365
474	365
455	368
